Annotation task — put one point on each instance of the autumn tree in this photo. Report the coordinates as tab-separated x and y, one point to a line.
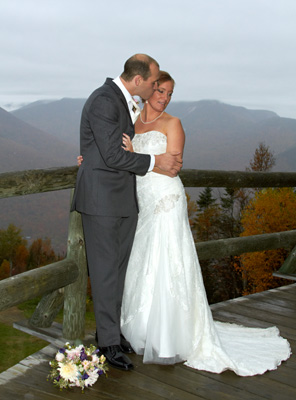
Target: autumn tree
271	210
4	270
263	159
191	209
205	225
41	253
13	249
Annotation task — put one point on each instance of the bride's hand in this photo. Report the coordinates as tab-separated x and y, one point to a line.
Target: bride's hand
127	143
79	160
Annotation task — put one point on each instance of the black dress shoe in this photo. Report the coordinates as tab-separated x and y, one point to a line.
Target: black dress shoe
116	358
125	345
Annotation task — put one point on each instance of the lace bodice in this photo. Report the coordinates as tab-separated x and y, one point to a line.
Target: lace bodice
152	142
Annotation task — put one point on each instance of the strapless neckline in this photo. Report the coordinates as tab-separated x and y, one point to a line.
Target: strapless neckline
144	133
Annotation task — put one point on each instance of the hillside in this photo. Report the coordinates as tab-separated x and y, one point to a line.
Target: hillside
60	118
24	146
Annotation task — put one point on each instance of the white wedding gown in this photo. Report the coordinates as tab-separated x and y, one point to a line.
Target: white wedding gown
165	313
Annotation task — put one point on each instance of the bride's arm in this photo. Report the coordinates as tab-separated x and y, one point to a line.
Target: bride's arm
175	139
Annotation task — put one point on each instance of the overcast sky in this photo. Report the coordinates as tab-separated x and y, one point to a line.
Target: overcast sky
241	52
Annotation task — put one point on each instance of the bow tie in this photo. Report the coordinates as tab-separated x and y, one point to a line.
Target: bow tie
135	111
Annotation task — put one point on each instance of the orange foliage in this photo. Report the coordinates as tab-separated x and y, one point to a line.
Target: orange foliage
191	209
20	259
207	223
271	210
4	270
41	253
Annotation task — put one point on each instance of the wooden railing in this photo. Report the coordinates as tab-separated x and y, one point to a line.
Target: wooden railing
64	283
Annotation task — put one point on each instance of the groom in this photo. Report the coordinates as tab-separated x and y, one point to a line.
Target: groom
105	193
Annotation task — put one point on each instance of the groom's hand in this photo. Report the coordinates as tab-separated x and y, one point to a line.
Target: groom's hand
171	163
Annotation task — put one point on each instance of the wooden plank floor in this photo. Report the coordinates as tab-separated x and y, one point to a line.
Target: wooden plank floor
27	380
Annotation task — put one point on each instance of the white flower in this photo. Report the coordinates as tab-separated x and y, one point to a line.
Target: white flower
95	358
68	371
73	353
59	356
92	378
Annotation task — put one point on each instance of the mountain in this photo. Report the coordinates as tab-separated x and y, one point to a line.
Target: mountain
23	146
221	136
218	135
60	118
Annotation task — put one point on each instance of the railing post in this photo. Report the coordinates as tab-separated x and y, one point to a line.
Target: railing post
75	294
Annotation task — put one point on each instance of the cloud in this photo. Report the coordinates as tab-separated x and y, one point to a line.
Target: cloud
234	51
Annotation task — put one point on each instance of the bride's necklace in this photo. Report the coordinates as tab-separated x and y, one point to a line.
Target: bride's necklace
150	122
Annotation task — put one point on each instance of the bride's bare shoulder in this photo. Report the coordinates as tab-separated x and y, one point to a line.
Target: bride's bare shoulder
173	122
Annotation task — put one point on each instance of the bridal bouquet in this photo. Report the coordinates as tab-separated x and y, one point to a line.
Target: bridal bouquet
77	366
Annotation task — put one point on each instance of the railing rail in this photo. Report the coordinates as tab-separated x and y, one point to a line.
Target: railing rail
21	183
70	275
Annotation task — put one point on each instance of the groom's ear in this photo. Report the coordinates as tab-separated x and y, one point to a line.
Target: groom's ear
138	79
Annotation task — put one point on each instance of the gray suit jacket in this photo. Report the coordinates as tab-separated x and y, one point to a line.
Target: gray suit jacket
106	183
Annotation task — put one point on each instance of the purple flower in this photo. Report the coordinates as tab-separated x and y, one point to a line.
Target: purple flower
62	350
85	376
83	355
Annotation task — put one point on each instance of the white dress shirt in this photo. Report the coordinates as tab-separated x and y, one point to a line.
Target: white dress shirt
130	102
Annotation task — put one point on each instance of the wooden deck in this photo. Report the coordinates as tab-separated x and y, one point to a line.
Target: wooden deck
27	380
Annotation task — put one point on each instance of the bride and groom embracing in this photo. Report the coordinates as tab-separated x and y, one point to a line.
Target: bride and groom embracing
147	286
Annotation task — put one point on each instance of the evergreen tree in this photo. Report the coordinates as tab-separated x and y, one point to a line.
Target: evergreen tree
230	217
206	198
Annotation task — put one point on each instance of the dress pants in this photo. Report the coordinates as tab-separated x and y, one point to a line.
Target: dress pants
108	242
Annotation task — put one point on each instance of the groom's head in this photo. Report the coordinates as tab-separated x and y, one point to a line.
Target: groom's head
140	75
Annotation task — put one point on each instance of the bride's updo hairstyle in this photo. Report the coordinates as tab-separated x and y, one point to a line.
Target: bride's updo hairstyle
165	77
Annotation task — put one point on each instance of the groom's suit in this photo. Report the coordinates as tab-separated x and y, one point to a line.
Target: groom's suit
105	195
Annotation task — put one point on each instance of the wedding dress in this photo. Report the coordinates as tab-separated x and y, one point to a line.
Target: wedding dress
165	313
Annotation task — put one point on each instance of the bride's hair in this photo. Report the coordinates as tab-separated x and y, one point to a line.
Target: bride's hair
165	77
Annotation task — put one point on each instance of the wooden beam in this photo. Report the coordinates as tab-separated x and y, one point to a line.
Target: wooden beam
246	244
47	309
36	282
236	179
45	180
288	269
37	181
75	294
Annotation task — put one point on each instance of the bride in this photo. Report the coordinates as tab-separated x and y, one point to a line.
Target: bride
165	314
